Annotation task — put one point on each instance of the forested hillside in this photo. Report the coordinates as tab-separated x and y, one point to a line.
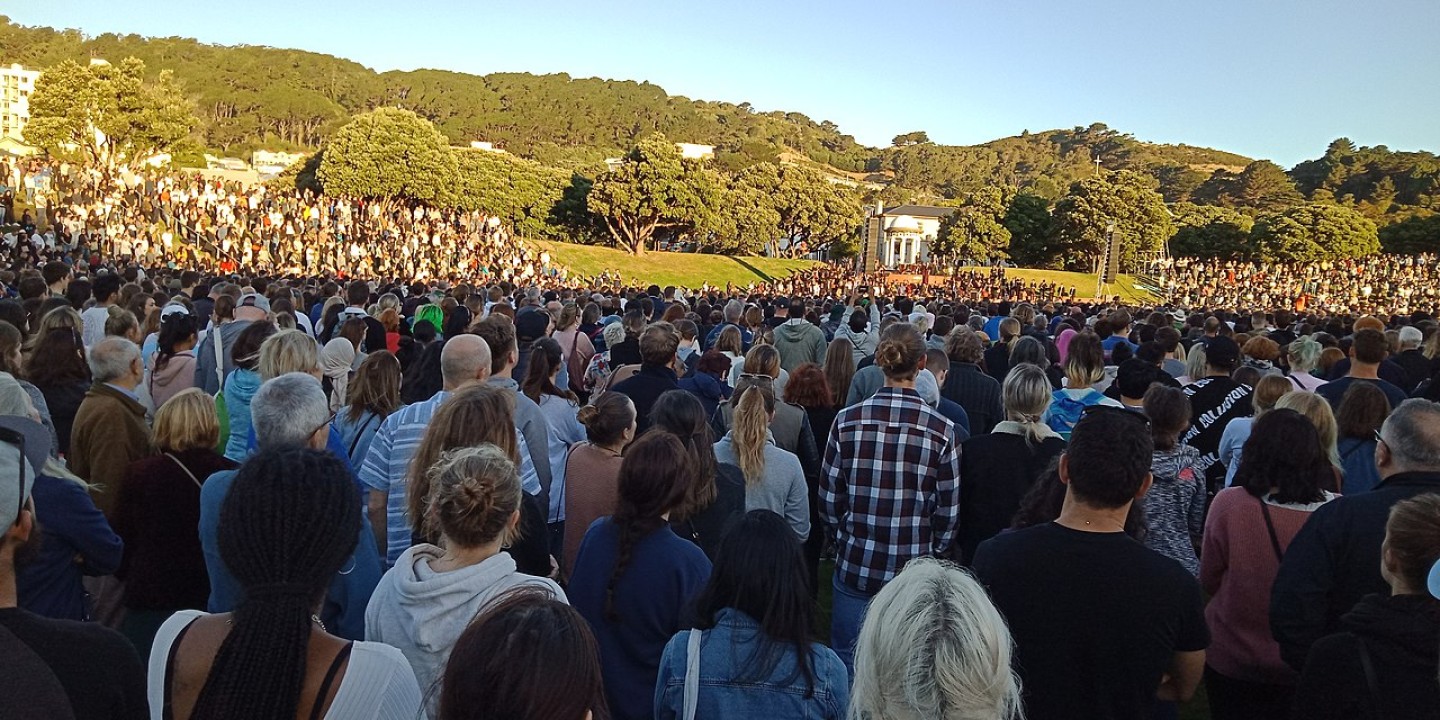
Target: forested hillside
249	97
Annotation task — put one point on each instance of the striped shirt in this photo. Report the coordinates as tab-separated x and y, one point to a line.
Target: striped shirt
889	487
387	465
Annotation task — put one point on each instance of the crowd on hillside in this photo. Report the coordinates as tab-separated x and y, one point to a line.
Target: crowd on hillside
1399	284
161	218
267	495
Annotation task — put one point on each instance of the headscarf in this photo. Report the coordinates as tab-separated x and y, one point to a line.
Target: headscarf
1062	343
335	360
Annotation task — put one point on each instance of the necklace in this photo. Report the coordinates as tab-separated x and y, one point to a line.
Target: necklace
313	618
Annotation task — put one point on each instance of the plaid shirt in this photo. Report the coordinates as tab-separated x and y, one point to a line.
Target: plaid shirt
890	486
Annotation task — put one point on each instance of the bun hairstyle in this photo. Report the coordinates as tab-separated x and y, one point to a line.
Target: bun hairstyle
175	328
607	418
900	351
475	492
120	322
476	415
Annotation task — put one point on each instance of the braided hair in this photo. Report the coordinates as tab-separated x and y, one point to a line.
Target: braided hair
287	526
655	478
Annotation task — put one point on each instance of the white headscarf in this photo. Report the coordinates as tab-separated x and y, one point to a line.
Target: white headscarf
335	360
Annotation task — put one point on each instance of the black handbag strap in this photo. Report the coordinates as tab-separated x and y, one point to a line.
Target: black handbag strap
1270	527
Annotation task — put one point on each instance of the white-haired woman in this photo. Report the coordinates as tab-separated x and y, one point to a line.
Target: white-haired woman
934	646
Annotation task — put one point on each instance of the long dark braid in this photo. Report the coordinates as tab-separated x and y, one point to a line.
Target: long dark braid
655	477
288	524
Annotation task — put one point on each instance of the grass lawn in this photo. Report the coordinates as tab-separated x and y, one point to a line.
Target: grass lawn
666	268
692	270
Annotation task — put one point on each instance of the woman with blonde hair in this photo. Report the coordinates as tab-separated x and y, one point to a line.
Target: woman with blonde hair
473	416
288	351
1304	355
157	513
774	480
429	597
1268	391
1084	368
1009	458
1195	364
1318	411
934	646
762	360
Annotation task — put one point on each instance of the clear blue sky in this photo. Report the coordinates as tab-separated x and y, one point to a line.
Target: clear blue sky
1274	79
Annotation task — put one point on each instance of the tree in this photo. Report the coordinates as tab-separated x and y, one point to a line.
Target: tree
1208	231
814	212
390	154
1031	231
975	230
749	223
653	189
1412	235
1314	232
106	115
918	137
1120	201
505	186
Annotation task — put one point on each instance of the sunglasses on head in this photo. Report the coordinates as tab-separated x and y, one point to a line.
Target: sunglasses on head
1111	409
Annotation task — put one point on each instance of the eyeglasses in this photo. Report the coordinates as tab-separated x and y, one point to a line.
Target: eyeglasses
18	440
1110	409
1380	439
325	424
758	377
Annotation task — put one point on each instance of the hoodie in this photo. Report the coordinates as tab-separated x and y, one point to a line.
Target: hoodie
1175	505
422	612
799	341
866	340
1400	634
178	374
240	388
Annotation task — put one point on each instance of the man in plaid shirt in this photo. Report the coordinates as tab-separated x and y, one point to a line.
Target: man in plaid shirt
890	485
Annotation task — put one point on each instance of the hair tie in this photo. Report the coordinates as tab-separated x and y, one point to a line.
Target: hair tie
1433	582
274	590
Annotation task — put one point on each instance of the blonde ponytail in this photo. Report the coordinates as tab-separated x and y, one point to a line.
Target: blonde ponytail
748	432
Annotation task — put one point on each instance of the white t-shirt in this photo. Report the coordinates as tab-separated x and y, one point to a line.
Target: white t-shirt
94	317
378	683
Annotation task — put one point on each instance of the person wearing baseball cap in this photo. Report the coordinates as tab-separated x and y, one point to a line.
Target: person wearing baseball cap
97	668
1215	400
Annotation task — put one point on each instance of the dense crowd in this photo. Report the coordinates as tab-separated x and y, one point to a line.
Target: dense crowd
297	496
154	218
301	486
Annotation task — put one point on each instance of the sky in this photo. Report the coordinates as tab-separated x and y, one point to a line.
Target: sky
1275	79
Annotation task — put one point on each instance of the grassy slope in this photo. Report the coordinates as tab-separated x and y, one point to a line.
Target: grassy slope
663	268
694	270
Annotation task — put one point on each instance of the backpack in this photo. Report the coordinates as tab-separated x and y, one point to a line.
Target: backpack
1065	411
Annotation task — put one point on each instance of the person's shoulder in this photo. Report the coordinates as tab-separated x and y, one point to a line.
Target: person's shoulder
88	638
378	657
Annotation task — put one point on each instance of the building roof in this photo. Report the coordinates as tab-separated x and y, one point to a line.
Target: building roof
925	211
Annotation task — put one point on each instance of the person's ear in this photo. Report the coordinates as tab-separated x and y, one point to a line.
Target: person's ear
921	364
1145	485
1064	468
24	523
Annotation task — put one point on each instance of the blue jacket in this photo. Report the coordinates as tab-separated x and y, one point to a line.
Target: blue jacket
344	609
75	541
728	688
652	598
240	388
710	390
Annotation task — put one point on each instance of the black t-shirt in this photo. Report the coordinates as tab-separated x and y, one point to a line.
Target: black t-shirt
1096	617
97	666
1214	402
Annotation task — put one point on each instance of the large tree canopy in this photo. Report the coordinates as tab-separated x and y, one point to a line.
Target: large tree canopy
1122	202
390	154
1315	231
976	230
653	188
106	115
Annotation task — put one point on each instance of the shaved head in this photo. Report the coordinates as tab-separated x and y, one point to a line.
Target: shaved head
463	359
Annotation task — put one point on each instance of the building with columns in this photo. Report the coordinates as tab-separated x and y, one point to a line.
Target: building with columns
900	235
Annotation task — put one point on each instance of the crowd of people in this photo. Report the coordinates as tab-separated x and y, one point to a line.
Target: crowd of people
267	496
1399	284
159	217
296	487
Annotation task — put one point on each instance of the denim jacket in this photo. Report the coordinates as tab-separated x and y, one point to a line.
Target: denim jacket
723	654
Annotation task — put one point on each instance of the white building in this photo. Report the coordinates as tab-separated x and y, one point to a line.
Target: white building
486	146
16	84
900	235
691	151
267	162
